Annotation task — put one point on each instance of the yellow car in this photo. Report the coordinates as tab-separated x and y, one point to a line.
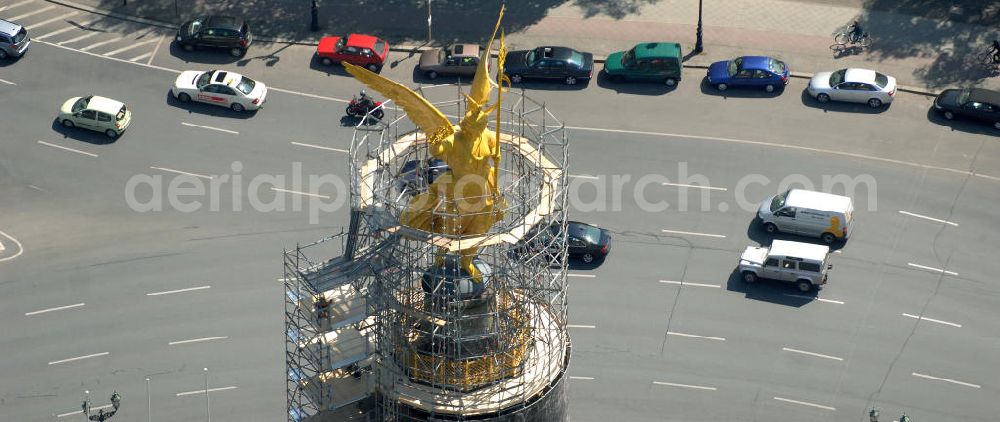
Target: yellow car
96	113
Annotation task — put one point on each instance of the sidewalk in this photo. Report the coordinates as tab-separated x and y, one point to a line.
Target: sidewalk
924	53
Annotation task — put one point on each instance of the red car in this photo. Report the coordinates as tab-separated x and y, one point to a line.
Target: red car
356	49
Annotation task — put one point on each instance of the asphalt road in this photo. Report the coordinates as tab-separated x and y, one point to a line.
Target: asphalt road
164	294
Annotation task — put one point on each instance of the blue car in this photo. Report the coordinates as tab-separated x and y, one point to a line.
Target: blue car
753	71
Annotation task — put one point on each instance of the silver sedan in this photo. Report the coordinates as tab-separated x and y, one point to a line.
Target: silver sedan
853	85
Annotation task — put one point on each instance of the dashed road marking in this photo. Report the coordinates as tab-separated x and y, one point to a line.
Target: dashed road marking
80	412
953	381
67	149
196	340
836	302
584	176
818	355
56	362
674	333
37	11
81	37
210	128
129	47
48	21
319	147
98	44
933	320
686	283
694	233
11	6
580	275
210	390
580	326
203	176
66	29
170	292
681	185
141	56
694	387
315	195
581	378
932	269
58	308
805	403
7	82
937	220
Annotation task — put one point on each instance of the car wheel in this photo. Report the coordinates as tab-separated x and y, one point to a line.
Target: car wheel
823	98
374	67
769	88
182	97
432	75
996	125
670	82
749	277
237	107
3	55
770	228
187	47
804	286
828	238
68	123
587	257
875	103
237	52
326	61
721	87
111	133
571	80
515	79
949	115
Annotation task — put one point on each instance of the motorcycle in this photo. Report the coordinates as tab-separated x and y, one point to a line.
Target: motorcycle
361	108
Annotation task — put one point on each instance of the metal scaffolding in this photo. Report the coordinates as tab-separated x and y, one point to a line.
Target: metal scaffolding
439	343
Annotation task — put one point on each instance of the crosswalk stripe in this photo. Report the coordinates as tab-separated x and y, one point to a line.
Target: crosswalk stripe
87	35
11	6
48	21
19	17
68	28
141	56
112	53
95	45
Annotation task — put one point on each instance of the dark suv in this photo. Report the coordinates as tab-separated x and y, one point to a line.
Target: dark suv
216	32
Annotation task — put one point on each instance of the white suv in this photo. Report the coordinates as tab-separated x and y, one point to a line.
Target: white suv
804	264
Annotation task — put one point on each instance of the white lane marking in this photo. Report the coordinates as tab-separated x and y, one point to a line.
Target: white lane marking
2	247
98	44
937	220
66	29
837	302
315	195
580	378
81	37
35	26
78	412
696	387
7	82
784	146
805	403
58	308
210	128
580	275
580	326
129	47
933	320
936	270
694	233
37	188
685	283
141	56
149	66
155	49
674	333
181	172
196	340
584	176
67	149
56	362
319	147
20	250
318	97
37	11
11	6
210	390
953	381
170	292
680	185
819	355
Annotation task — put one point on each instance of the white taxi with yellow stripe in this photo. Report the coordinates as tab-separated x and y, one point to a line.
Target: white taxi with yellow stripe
219	87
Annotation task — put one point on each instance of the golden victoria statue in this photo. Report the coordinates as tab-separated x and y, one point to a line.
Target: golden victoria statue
464	201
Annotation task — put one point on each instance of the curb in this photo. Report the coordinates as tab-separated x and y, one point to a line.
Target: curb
409	49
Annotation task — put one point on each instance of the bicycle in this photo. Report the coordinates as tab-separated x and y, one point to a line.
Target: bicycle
844	39
990	58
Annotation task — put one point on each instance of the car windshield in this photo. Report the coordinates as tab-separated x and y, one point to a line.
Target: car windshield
881	80
778	201
21	35
734	66
379	47
121	114
204	79
963	96
591	233
246	85
837	77
195	27
530	57
776	66
628	57
81	104
576	58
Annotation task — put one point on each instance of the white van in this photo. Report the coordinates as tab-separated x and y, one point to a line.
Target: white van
808	213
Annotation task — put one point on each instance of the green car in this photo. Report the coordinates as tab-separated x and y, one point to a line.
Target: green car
649	61
95	113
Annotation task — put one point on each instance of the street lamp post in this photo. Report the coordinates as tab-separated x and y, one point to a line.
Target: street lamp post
208	404
429	21
149	403
314	26
698	45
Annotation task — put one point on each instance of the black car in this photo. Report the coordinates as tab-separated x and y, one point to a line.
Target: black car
416	175
976	103
560	63
217	32
584	241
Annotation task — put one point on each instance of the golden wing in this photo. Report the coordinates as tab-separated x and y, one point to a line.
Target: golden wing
482	83
417	108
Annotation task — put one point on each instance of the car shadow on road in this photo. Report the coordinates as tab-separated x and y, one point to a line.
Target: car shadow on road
269	59
738	92
334	69
535	84
632	88
208	109
83	135
578	264
421	78
841	107
205	56
961	124
776	292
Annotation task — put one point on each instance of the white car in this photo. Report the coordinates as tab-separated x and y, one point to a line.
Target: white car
219	87
854	86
